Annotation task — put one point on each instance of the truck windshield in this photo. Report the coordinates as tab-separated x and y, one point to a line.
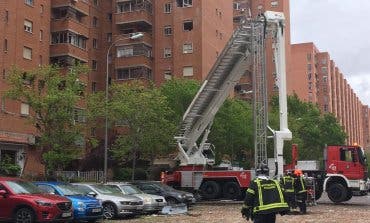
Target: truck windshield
362	156
23	187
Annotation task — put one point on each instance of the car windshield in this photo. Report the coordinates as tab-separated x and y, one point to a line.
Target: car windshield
23	187
69	190
103	189
130	189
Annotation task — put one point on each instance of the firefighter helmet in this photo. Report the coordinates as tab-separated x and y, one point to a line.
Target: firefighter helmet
298	172
262	169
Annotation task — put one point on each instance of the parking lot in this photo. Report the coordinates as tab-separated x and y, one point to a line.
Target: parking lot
356	210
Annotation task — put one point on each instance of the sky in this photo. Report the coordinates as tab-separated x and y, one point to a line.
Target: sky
341	28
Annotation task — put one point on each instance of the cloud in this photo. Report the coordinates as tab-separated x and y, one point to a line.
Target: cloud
340	28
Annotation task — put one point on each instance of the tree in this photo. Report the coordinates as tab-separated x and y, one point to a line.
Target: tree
232	132
52	95
179	93
143	114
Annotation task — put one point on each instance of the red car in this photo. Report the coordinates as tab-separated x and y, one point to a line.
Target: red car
22	201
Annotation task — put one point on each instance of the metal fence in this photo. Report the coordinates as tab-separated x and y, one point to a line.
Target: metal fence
91	176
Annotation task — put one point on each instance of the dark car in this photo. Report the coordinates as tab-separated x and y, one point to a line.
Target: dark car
85	208
171	195
22	201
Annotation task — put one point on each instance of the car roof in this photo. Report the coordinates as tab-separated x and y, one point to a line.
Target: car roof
50	182
10	179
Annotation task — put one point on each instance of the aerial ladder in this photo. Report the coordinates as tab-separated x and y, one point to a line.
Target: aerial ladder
244	51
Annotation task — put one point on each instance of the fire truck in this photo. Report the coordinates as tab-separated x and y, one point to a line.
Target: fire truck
244	51
344	172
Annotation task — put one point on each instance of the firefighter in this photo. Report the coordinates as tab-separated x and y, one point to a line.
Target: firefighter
287	184
264	198
300	191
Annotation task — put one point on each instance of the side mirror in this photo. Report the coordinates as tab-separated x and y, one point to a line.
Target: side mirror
91	194
3	193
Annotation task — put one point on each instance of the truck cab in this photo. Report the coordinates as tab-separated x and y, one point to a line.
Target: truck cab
346	170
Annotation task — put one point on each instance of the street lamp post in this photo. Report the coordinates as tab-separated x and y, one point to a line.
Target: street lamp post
134	36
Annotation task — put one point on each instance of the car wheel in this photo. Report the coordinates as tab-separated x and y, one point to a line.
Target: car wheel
109	210
171	201
24	215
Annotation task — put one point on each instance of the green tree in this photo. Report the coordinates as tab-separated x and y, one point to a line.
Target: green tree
232	132
143	112
52	95
179	93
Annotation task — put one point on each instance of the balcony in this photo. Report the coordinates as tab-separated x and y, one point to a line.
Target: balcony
140	18
68	49
147	38
70	24
81	6
121	62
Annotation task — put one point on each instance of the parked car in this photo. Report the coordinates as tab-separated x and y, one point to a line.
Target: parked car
85	208
152	203
22	201
172	195
115	204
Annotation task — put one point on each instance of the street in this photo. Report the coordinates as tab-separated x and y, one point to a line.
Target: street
355	210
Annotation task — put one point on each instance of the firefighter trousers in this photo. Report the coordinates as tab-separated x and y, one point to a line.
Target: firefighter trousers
265	218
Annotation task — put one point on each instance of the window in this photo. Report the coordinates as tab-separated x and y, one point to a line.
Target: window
79	115
40	60
167	30
134	73
309	76
109	37
28	2
167	8
167	52
125	52
95	22
325	79
27	53
167	75
93	87
109	17
41	35
309	67
25	109
184	3
4	74
94	65
95	2
134	50
324	70
68	37
236	5
188	25
323	61
274	3
6	16
187	71
5	45
28	26
95	43
309	57
187	48
41	9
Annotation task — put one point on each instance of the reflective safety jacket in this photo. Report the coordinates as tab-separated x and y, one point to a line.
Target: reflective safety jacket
300	185
265	196
287	184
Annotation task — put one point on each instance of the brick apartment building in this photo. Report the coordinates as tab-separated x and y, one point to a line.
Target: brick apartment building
181	38
315	78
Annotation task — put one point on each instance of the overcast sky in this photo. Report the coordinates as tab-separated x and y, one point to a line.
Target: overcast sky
342	28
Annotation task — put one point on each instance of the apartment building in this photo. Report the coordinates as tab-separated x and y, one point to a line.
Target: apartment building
315	78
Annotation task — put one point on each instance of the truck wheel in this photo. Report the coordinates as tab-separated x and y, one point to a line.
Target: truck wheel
318	194
349	195
210	190
337	193
231	190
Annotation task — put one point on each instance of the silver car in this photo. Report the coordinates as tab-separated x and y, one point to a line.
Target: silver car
115	204
152	203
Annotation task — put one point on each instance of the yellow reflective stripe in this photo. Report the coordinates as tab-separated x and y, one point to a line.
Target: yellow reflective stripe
280	192
259	192
270	206
250	191
303	188
289	190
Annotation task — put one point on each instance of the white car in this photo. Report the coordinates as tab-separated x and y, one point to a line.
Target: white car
152	203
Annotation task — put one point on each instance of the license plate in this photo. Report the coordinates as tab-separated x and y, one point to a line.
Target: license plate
66	214
95	210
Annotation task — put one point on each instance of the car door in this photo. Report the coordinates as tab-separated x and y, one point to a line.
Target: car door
6	204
